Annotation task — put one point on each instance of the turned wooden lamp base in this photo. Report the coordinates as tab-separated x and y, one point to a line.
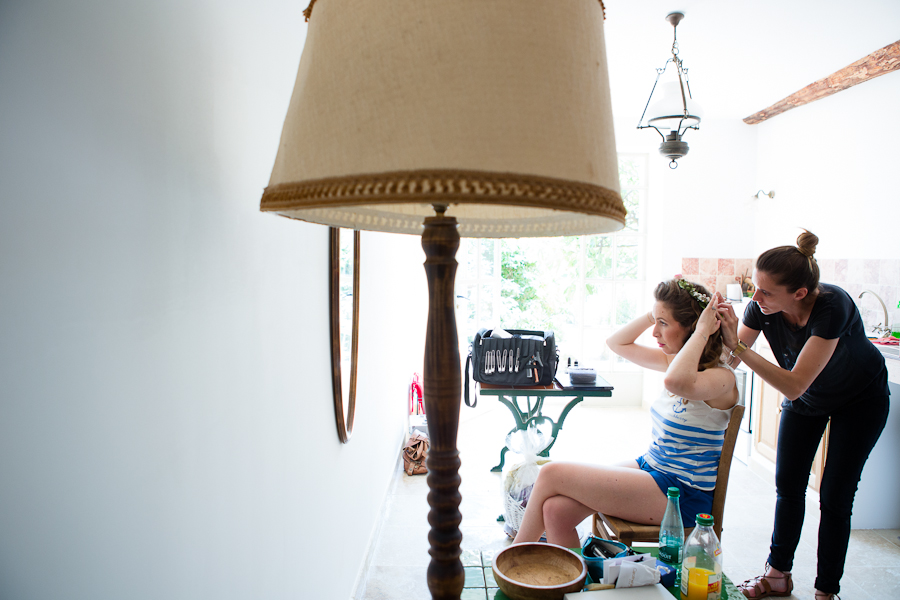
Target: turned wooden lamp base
442	388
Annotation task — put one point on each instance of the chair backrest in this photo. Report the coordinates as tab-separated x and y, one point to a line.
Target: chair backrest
731	433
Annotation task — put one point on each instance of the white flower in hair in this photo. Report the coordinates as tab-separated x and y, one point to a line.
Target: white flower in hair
687	286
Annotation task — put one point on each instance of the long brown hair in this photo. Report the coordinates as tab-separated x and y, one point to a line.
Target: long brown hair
686	311
793	266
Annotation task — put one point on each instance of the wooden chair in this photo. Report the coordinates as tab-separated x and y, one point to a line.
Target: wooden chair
614	528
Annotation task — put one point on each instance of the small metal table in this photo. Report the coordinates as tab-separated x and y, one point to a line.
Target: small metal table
510	397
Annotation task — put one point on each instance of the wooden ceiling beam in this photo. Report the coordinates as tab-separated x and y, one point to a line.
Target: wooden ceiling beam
877	63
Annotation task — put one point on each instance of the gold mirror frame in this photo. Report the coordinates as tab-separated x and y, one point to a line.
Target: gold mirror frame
344	420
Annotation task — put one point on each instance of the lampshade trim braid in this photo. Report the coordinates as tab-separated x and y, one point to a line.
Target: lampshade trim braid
307	12
445	187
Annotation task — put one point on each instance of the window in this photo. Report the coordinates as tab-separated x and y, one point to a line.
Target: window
583	287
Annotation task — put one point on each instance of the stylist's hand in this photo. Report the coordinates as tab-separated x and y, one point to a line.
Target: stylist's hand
729	321
708	322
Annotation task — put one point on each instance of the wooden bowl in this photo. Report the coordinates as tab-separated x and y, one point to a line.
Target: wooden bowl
536	571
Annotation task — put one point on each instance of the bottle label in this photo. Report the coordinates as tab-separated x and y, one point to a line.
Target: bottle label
700	584
670	554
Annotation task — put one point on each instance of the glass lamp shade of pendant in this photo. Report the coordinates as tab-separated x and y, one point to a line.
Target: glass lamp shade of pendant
668	115
667	112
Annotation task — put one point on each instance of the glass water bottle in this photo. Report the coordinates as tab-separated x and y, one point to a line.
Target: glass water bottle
701	571
671	533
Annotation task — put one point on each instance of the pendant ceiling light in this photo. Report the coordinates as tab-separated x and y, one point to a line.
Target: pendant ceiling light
675	112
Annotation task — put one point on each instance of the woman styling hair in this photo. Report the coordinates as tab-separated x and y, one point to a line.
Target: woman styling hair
827	370
699	393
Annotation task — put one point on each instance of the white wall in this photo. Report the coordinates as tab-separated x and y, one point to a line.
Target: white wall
701	207
833	165
166	423
704	207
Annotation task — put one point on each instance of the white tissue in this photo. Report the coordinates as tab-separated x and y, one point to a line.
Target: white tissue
611	566
636	574
631	571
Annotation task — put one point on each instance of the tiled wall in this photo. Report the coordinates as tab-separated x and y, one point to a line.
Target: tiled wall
716	273
881	276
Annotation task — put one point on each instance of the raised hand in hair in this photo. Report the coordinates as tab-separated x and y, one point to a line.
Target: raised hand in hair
708	323
729	320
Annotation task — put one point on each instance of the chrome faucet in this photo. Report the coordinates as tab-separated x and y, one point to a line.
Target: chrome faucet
879	330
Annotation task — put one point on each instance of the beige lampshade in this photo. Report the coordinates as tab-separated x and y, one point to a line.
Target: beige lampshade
499	109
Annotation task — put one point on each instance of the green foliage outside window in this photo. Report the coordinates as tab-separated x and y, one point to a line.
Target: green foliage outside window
581	287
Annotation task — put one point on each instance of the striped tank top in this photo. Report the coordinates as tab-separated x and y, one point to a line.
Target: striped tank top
687	439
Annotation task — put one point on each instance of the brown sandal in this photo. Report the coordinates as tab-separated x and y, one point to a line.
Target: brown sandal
759	586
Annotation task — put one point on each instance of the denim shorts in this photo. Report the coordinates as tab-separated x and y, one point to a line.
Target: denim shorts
691	501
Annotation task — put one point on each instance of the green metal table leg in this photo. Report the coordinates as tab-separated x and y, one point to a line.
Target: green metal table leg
558	426
499	467
520	419
514	409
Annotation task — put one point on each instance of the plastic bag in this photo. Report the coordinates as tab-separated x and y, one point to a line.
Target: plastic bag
519	478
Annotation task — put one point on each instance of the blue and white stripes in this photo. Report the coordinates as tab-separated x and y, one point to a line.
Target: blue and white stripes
687	440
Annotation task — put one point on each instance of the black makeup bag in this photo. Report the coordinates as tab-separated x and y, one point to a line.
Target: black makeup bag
511	357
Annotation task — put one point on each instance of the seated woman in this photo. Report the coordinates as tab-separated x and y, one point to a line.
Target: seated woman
689	422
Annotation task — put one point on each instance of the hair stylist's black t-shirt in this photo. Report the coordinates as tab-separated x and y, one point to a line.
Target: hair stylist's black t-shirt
856	368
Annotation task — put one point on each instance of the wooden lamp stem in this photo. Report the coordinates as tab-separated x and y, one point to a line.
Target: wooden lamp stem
442	388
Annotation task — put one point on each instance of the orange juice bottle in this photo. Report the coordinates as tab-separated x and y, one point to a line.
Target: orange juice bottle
701	570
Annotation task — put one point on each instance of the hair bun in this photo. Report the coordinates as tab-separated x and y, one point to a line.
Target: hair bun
806	243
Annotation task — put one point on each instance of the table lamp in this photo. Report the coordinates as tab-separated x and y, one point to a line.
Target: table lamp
443	118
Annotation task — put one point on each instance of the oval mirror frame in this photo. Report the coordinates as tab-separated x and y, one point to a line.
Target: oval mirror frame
344	418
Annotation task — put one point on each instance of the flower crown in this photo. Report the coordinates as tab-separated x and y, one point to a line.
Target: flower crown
701	298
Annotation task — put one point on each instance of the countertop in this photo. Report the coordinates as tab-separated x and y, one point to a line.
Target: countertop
877	504
893	366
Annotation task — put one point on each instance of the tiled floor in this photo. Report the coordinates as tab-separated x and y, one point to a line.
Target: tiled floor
598	434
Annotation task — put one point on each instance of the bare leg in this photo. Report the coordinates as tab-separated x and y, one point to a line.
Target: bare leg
565	493
561	518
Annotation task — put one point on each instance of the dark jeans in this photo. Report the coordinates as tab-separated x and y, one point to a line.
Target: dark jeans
854	431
